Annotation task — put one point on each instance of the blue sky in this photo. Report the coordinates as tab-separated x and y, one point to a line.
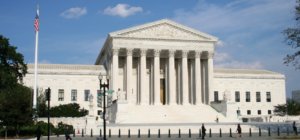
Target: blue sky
73	32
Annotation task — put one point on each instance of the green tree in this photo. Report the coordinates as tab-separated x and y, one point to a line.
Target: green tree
12	66
42	107
15	106
66	110
15	99
291	108
292	38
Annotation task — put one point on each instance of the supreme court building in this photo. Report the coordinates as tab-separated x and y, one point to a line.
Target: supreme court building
163	72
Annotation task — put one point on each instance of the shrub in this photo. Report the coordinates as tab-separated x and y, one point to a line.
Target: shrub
66	110
63	129
30	130
44	127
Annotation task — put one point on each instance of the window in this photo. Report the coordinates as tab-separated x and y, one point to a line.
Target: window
216	96
259	112
237	96
248	112
257	96
60	95
248	96
86	95
99	112
238	112
99	98
73	95
268	96
269	112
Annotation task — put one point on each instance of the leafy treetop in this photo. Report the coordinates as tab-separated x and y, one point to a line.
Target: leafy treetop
12	66
292	38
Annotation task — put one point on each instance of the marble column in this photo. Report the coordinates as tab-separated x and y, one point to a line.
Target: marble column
143	96
184	78
115	69
129	75
210	72
179	81
204	80
171	78
156	78
198	78
191	82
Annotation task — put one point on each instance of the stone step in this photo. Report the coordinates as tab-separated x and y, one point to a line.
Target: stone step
170	114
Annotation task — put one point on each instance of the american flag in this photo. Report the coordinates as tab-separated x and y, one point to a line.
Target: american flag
36	21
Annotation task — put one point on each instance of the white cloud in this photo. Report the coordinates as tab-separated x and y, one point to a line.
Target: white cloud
221	57
44	61
220	44
73	13
122	10
236	15
250	31
224	60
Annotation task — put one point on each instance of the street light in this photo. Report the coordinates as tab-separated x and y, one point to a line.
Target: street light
104	86
48	98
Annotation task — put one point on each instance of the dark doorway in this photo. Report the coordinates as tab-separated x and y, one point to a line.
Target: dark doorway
162	91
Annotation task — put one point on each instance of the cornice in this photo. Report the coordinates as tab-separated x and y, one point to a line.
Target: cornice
66	66
163	39
246	74
248	77
66	69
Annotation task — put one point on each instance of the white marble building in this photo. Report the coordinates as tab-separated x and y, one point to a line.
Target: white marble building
162	72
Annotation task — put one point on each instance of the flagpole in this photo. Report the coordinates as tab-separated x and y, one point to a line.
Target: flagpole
36	63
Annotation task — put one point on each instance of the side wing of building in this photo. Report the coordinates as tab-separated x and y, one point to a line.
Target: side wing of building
249	93
68	83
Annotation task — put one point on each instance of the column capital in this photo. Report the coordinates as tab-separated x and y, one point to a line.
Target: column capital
143	52
172	53
115	51
198	54
184	53
210	55
156	52
129	51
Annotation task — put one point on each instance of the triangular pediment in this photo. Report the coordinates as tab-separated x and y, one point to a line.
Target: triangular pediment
163	29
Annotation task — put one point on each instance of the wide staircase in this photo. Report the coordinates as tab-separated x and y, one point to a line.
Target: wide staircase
126	113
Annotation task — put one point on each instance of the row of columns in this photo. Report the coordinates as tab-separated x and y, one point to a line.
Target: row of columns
171	86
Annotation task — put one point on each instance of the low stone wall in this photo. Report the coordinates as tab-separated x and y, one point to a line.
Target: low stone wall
89	125
285	119
79	123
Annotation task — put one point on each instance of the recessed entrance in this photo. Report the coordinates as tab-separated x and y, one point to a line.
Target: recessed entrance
162	92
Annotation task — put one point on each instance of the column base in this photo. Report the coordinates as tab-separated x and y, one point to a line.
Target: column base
186	104
172	104
143	104
157	104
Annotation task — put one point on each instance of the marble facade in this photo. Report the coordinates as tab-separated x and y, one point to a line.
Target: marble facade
163	72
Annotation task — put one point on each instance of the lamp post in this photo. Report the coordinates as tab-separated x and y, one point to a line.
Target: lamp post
48	97
104	86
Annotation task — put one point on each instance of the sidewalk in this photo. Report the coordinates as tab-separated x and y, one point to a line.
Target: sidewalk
182	137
